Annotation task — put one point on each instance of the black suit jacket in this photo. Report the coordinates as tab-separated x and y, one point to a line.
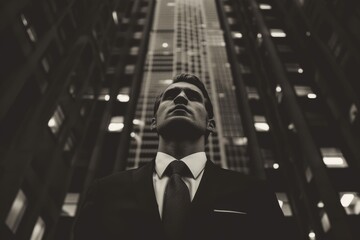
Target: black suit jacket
227	205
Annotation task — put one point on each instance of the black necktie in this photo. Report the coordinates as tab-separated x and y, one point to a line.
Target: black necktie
176	200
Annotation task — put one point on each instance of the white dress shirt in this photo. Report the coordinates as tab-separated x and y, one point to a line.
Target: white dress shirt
195	162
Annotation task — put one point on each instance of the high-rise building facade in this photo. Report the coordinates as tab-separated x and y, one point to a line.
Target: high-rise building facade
190	40
67	67
79	79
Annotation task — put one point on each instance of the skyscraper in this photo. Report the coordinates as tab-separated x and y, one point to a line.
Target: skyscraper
79	79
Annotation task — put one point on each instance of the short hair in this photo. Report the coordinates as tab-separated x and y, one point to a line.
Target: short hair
192	79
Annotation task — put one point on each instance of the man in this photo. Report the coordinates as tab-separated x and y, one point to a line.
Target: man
181	194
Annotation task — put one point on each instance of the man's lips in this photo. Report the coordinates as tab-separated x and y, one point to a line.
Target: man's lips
180	107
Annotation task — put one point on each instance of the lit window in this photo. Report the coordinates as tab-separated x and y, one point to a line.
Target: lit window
237	35
312	235
276	166
134	51
333	158
227	8
252	93
56	120
101	56
103	95
259	35
231	20
31	33
39	230
170	4
308	174
123	98
115	17
70	204
129	69
312	95
278	89
82	111
45	64
165	45
325	222
123	95
277	33
141	21
116	124
320	204
240	141
166	81
351	202
222	95
29	30
303	91
24	20
261	124
137	35
17	211
138	122
284	203
262	127
264	6
291	127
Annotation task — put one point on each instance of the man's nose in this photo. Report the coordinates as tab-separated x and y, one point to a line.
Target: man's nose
181	98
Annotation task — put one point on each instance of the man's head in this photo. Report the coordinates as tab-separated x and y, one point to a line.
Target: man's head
184	107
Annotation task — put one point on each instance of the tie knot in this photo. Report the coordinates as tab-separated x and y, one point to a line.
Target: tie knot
178	167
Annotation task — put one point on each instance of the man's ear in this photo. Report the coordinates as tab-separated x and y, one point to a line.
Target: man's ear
153	124
211	125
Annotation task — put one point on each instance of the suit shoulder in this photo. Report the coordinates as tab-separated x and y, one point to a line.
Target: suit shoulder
118	179
124	178
115	177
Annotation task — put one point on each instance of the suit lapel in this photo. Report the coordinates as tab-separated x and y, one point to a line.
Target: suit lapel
144	190
206	193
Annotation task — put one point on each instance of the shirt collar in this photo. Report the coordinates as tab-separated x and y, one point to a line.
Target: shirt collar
195	162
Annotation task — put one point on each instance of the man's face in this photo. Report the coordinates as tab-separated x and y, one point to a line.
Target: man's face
182	111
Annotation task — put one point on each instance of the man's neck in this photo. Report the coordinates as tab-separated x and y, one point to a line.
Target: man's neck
181	149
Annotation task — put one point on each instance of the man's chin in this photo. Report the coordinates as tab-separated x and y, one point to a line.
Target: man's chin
181	128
